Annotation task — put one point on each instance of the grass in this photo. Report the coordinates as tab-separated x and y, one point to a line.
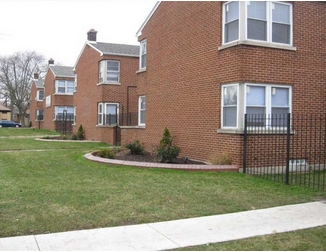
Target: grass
313	239
5	132
57	190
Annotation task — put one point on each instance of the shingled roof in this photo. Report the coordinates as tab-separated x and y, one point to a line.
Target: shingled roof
116	49
4	109
39	83
63	71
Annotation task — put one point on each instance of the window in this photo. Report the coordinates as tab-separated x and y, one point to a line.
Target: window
229	105
62	113
258	101
107	113
39	115
64	87
260	21
109	71
40	95
143	52
231	22
75	90
142	110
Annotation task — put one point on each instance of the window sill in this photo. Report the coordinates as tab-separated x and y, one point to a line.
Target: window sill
256	43
63	94
133	127
141	70
39	100
106	126
260	131
109	83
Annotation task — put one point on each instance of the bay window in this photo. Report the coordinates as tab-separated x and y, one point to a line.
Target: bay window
64	87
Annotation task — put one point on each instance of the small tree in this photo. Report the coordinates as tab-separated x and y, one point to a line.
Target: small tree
80	133
166	152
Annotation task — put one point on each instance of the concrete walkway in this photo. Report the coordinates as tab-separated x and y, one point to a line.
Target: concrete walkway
178	233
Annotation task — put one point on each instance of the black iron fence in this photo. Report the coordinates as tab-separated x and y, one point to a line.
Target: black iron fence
122	119
63	123
286	148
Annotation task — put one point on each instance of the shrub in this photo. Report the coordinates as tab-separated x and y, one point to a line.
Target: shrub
221	159
73	136
80	133
106	153
135	148
166	152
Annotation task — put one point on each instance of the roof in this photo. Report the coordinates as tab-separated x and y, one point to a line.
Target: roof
115	49
147	19
39	83
63	71
4	109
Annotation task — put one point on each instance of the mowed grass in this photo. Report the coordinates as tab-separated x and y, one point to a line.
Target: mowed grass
57	190
4	132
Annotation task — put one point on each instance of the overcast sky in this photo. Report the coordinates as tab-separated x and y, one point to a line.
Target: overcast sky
57	28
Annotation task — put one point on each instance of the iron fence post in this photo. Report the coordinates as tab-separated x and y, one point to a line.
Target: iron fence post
288	131
245	144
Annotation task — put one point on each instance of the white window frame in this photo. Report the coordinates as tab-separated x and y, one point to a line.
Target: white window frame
243	25
38	95
102	114
141	110
141	54
103	72
75	114
75	87
242	101
56	108
66	87
38	113
222	105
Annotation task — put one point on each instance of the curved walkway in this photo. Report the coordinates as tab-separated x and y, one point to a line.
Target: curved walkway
230	168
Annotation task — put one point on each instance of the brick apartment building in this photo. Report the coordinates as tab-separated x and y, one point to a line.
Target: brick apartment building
203	65
200	67
37	99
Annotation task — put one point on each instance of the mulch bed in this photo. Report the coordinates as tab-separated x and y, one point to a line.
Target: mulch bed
148	157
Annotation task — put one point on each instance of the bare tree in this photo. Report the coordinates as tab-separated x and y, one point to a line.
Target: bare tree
16	75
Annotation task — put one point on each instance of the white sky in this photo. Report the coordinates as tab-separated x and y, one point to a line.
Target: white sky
57	28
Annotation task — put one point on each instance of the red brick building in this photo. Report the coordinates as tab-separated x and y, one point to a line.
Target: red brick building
105	79
203	65
37	102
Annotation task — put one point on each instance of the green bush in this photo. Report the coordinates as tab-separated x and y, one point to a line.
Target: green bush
73	136
135	148
166	152
106	153
80	133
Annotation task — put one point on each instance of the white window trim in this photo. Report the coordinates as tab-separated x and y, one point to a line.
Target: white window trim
38	95
55	110
242	102
66	87
75	87
242	36
222	105
139	110
103	104
105	73
141	69
38	113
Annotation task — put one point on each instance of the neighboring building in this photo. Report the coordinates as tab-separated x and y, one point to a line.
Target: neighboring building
59	87
203	65
105	81
37	102
5	113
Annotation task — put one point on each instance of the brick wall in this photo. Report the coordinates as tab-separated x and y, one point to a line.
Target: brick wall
185	71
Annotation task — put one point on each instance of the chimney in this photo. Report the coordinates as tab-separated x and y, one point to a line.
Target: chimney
36	76
51	61
91	35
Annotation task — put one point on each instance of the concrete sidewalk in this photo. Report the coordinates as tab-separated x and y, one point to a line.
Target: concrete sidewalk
178	233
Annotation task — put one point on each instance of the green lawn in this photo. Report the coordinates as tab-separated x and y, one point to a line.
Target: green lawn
4	132
56	190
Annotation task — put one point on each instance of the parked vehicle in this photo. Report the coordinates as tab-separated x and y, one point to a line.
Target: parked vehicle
9	124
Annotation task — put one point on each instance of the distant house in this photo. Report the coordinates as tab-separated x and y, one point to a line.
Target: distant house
59	87
105	88
5	113
37	102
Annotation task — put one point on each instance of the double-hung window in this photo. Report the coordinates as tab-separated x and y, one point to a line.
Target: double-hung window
39	115
143	53
260	21
142	111
62	113
109	71
40	95
107	113
265	105
64	87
